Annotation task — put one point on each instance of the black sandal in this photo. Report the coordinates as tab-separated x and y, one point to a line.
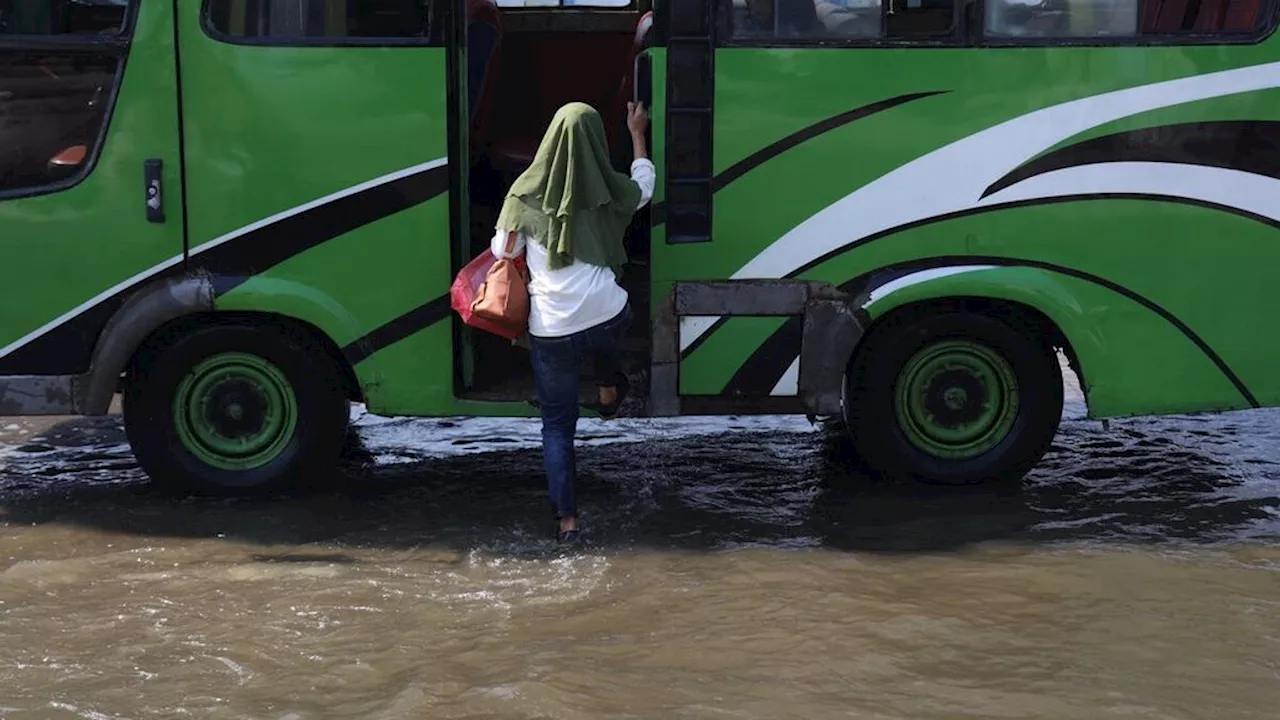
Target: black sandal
610	411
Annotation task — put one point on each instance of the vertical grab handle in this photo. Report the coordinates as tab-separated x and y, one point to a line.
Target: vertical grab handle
637	81
153	176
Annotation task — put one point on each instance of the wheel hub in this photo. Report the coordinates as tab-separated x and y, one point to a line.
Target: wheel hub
956	399
236	407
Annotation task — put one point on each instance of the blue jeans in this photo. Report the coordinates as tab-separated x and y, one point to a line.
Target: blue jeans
556	365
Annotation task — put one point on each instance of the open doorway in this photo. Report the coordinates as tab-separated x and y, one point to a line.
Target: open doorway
524	60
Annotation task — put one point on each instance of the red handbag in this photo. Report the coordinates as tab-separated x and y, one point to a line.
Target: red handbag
493	295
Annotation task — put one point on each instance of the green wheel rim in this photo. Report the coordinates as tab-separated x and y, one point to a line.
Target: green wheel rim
235	411
956	399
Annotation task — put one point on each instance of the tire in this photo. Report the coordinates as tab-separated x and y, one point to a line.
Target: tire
235	408
953	398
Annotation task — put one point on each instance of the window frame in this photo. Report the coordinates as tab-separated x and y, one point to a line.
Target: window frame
120	39
968	30
438	15
115	45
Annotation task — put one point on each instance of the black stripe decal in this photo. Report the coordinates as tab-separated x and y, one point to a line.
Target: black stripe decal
1247	146
766	366
261	249
773	150
390	333
659	214
67	348
822	127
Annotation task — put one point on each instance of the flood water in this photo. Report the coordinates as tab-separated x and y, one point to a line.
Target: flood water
733	569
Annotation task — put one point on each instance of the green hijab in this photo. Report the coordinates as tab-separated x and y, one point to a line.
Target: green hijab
571	201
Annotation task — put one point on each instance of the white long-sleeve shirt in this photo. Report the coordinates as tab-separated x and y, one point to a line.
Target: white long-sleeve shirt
580	296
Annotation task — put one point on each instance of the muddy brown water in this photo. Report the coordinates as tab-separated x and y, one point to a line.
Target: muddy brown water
733	570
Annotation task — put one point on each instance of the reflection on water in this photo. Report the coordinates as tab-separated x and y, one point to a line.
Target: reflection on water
734	569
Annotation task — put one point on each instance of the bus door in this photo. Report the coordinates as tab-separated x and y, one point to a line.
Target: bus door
317	168
89	177
521	60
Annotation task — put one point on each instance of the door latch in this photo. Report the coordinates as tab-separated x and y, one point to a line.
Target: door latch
153	174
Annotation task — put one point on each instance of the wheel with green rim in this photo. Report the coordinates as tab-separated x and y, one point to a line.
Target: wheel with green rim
956	399
235	411
221	407
953	398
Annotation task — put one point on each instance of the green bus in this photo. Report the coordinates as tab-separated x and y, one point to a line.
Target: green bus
242	215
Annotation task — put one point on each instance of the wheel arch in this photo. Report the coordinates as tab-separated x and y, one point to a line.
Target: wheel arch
150	308
1037	303
167	305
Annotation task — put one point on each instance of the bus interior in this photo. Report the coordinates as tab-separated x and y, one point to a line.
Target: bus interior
524	63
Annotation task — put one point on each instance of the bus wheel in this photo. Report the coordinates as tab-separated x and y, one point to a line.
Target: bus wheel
235	408
953	398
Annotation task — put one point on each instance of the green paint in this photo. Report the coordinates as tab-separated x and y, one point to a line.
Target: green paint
269	129
413	376
1166	252
956	399
235	411
261	141
61	249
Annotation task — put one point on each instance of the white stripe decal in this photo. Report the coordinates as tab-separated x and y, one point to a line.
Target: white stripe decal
1248	192
953	178
921	276
789	383
177	259
693	327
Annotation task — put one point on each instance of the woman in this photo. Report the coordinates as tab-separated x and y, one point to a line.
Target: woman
568	213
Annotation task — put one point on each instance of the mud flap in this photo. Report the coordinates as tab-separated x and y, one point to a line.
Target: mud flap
831	322
832	330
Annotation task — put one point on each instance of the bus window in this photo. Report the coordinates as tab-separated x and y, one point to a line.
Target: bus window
800	20
53	104
564	3
64	17
1118	18
294	19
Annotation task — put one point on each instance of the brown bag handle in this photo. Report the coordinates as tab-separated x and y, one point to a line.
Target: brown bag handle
511	242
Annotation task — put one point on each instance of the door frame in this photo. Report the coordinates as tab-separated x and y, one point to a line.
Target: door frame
450	21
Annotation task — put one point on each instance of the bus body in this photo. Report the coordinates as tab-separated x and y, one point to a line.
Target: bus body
242	214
